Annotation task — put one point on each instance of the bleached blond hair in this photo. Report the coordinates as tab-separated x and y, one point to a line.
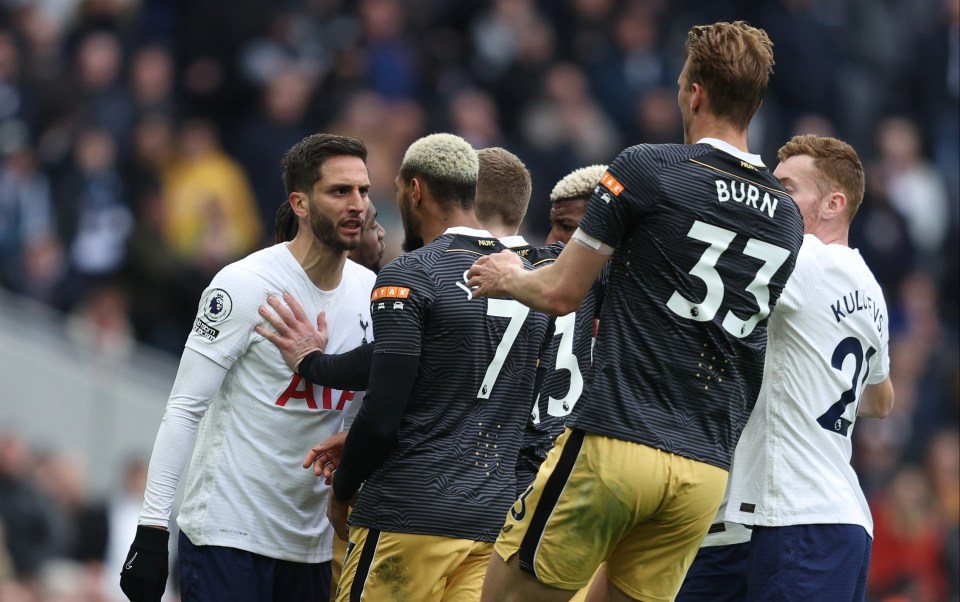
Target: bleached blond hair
578	184
448	165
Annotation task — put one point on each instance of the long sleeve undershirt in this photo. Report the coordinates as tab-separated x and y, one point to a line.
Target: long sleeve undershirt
198	380
374	430
346	371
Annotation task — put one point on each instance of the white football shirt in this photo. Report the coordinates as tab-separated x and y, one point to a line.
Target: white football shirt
246	487
826	340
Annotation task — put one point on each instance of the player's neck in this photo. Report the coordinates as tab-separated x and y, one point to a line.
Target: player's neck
499	230
833	237
709	127
322	264
436	225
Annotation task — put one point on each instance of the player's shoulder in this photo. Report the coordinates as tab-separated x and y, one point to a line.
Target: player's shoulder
253	268
661	154
540	256
849	261
475	245
356	273
750	168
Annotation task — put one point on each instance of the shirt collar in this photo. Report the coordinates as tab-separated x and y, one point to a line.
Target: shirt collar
732	150
513	242
468	232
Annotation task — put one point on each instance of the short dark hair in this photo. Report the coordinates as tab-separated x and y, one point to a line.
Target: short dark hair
503	187
302	163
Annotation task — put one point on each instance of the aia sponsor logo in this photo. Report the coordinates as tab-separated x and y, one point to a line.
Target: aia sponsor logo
299	388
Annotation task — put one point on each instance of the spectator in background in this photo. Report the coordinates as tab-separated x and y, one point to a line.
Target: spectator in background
27	219
806	80
927	350
167	285
104	101
390	57
274	126
17	100
934	79
881	234
655	118
634	66
907	552
915	189
81	524
100	323
565	118
211	216
473	116
532	57
26	514
943	471
151	81
94	217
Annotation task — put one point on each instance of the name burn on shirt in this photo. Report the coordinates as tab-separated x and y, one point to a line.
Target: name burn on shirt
747	194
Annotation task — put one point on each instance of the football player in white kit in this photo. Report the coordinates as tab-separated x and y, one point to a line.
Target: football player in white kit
826	364
252	522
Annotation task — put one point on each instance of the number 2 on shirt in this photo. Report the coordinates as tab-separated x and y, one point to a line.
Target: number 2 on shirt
832	420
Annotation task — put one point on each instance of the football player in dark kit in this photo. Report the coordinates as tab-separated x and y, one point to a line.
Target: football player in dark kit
700	238
436	441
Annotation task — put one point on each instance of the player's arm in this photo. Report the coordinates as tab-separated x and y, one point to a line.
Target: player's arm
301	345
346	371
613	210
375	428
398	333
877	400
145	570
557	289
198	380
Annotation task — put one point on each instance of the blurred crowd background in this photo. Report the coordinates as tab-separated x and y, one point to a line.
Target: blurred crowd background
139	153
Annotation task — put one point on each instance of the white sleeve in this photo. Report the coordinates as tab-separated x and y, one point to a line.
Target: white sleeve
883	370
198	380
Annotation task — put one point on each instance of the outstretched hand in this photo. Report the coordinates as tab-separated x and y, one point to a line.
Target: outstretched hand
324	457
487	276
294	334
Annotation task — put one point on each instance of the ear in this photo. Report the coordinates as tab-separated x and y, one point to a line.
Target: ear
697	96
298	202
416	191
835	206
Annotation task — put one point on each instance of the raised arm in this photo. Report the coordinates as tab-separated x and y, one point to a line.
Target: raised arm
557	289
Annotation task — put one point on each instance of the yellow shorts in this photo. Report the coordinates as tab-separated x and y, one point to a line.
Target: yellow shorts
596	498
403	567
